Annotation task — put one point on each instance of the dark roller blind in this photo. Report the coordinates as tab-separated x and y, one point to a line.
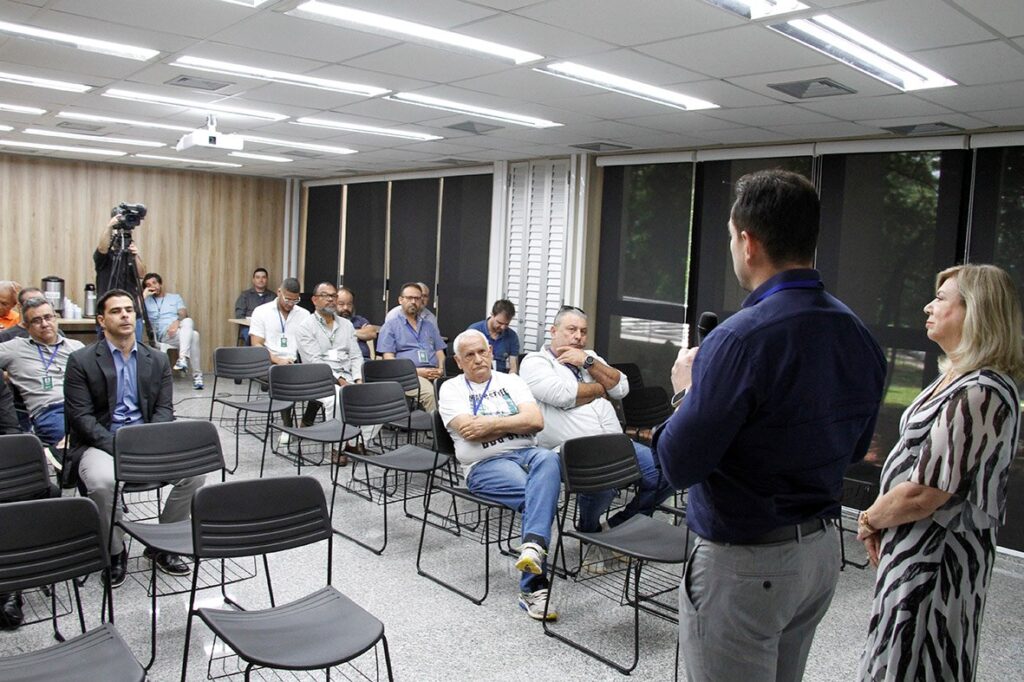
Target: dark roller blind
465	248
323	235
365	234
413	256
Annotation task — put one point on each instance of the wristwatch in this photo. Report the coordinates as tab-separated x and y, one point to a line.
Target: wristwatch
589	362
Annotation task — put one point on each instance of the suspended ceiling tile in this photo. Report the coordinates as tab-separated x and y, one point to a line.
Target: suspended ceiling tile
778	114
741	51
863	84
889	106
179	16
427	63
909	25
620	23
978	97
958	120
976	64
302	38
632	64
1003	15
813	131
526	84
685	122
535	36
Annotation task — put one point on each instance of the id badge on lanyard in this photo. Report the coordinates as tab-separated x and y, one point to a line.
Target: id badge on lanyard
423	356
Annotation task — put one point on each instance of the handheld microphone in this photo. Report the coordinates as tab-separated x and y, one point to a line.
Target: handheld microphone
708	321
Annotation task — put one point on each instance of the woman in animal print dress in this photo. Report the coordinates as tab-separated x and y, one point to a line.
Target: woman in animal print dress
932	531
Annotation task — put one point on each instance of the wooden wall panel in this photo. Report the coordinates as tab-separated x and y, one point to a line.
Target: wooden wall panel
204	233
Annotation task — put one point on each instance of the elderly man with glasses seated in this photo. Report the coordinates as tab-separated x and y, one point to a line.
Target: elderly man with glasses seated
36	365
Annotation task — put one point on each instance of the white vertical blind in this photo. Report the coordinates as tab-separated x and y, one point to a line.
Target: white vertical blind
537	223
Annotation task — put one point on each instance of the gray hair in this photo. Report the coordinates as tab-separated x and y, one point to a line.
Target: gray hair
32	303
568	310
466	336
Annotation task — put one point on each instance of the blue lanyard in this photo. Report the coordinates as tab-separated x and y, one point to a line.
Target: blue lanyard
281	317
46	363
416	332
796	284
323	328
476	404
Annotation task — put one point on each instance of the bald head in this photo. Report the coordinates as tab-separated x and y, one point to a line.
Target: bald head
8	296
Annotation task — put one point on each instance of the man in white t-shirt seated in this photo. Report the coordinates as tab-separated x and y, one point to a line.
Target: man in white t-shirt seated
492	418
172	325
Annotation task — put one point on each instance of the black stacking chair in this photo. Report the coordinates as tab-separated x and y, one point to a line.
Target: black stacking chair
155	454
380	403
244	363
591	464
290	384
23	471
644	407
404	372
480	527
48	541
257	517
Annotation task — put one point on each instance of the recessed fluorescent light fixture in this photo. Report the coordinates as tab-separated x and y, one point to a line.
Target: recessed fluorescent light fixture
247	3
126	121
299	145
181	159
6	129
133	96
262	157
93	138
472	110
19	79
214	66
369	130
390	26
88	44
60	148
759	9
848	45
18	109
624	86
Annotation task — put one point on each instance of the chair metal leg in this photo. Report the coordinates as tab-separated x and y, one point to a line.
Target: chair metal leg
188	619
487	559
152	618
387	657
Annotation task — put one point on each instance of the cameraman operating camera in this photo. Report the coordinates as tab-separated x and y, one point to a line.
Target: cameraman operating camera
102	257
117	258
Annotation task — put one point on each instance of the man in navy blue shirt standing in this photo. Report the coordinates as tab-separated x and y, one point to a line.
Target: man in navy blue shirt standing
780	399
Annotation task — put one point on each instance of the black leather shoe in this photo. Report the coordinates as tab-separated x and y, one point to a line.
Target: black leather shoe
11	615
118	568
171	564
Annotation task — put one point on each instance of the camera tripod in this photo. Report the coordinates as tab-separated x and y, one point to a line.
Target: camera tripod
124	275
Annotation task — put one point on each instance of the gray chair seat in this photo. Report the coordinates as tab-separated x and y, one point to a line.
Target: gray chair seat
410	458
418	421
642	538
175	538
319	630
330	431
100	654
258	405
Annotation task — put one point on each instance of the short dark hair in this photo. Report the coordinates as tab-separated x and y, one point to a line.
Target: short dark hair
23	295
291	285
412	285
504	305
261	269
153	275
101	304
781	209
325	283
31	304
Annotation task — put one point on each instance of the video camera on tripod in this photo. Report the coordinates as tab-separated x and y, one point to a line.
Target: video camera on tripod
129	216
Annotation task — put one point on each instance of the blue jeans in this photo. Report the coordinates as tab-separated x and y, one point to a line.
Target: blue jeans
527	481
243	332
652	490
48	424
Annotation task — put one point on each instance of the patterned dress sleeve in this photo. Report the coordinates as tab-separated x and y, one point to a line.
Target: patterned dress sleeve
968	454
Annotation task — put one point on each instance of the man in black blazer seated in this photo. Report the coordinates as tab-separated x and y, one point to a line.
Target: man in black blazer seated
112	383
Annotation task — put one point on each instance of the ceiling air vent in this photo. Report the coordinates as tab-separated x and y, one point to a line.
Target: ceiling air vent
474	127
817	87
600	147
75	125
193	83
924	129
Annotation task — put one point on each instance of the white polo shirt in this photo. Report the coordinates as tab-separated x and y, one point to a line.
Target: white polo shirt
277	331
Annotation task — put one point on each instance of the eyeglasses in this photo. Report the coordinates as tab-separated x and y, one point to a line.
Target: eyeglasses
329	297
36	321
413	298
290	301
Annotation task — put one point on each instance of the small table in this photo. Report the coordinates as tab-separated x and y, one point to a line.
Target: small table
81	330
241	322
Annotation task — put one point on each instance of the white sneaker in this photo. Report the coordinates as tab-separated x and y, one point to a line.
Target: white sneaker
599	560
181	365
533	604
197	382
283	439
531	558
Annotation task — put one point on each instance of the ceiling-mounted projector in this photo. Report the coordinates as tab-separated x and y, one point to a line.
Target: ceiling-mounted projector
209	137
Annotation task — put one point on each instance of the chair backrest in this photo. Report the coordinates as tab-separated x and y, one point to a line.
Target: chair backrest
258	516
646	406
296	383
443	442
379	403
241	362
166	451
49	541
594	463
23	471
401	370
633	374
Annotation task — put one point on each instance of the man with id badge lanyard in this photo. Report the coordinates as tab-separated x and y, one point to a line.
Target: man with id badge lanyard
36	365
412	337
328	338
273	325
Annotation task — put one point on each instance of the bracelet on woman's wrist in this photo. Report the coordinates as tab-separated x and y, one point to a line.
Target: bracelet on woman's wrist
864	523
